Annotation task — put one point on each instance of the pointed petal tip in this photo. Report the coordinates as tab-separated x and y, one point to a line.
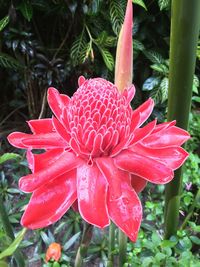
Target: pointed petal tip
16	138
81	80
23	185
51	90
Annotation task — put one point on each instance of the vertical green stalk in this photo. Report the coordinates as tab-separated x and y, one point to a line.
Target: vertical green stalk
83	248
185	25
9	232
122	248
111	244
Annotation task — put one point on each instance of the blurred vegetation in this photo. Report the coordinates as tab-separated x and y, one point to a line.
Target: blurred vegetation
51	43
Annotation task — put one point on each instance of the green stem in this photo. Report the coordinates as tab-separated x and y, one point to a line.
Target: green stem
9	232
111	245
122	248
82	250
185	25
191	210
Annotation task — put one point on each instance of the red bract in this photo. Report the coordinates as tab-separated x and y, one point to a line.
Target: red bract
96	152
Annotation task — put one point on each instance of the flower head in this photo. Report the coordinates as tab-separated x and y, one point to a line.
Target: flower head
53	252
96	153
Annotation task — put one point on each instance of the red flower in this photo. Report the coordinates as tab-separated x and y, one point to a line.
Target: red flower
53	252
97	153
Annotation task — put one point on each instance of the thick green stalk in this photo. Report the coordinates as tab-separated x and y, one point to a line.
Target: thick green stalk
83	248
185	25
9	232
122	248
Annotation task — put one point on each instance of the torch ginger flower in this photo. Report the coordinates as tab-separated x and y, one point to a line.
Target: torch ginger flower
97	153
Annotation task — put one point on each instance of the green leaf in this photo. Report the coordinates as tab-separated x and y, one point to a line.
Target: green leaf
3	264
26	9
196	99
4	22
79	49
196	81
9	62
71	241
117	12
194	227
155	238
140	3
164	85
156	94
107	57
160	68
147	261
195	84
195	240
160	256
154	57
168	243
11	249
47	240
9	156
110	41
164	4
137	45
151	83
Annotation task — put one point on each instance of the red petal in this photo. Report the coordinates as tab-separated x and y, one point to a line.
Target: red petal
57	102
50	202
61	130
15	139
129	93
92	194
138	183
124	206
38	162
147	168
81	80
173	157
141	133
43	141
66	162
113	175
41	126
172	136
144	110
126	212
163	126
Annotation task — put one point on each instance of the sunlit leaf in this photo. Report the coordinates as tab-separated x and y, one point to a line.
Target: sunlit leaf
26	9
4	22
9	156
11	249
108	58
140	3
9	62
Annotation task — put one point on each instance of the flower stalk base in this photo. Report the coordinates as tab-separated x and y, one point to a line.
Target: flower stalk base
82	250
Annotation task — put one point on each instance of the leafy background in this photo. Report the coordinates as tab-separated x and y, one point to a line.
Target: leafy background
51	43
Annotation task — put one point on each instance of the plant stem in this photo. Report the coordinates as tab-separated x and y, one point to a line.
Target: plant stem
82	250
9	232
191	210
111	244
122	248
185	24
